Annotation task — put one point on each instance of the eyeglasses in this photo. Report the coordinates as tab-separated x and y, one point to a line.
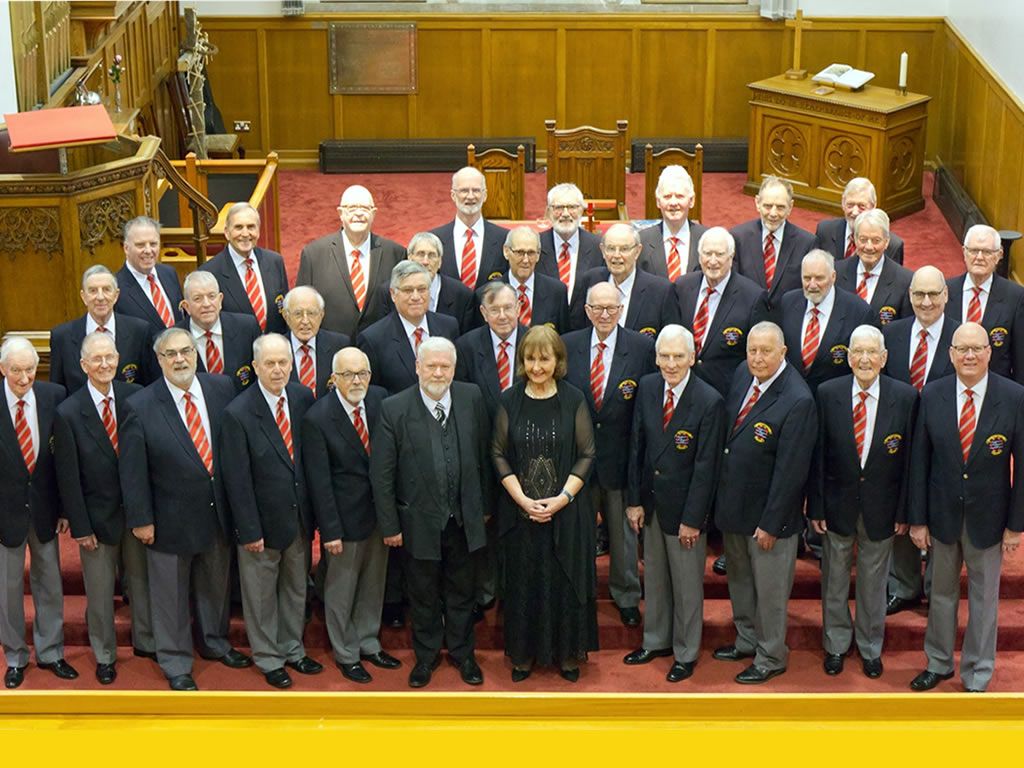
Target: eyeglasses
466	191
520	253
618	249
356	208
858	352
922	295
351	375
495	310
431	255
414	291
102	360
600	310
556	207
969	349
304	314
982	251
185	352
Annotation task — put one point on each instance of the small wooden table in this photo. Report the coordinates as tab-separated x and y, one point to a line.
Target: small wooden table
820	142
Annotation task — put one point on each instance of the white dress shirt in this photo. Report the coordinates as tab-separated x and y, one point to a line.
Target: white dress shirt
824	313
91	326
242	268
574	256
410	329
713	300
31	415
216	337
979	391
871	409
934	333
762	388
364	258
178	395
625	291
142	279
875	272
986	289
98	398
431	404
683	247
459	238
606	357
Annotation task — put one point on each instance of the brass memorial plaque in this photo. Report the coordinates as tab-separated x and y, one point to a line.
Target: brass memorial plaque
372	57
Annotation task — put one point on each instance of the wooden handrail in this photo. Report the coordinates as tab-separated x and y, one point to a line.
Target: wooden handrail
204	213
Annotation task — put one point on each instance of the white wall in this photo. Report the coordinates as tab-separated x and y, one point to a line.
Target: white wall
876	7
995	29
8	95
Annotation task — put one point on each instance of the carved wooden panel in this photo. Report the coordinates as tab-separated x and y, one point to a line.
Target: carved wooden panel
844	156
101	220
787	146
26	229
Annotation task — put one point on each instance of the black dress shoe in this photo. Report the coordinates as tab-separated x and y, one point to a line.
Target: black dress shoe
393	616
182	683
469	671
61	669
928	680
422	672
279	678
478	614
833	663
572	675
382	659
645	656
731	653
106	673
680	671
630	616
755	675
601	547
719	565
872	667
518	675
144	654
306	666
355	672
14	677
235	659
897	604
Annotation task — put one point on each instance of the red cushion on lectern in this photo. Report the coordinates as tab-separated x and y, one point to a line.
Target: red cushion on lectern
59	127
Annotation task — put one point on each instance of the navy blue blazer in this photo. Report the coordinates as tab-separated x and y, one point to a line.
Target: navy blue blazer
275	285
239	332
848	311
725	342
549	303
749	259
1003	319
652	303
674	471
475	363
840	490
490	258
986	491
897	344
134	303
891	300
765	463
338	467
453	299
265	487
391	357
87	477
327	344
162	473
134	343
29	498
830	236
652	256
588	258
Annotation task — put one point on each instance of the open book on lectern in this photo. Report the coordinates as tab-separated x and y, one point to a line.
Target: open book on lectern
843	75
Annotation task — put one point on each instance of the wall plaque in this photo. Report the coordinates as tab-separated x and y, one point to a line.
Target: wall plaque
372	57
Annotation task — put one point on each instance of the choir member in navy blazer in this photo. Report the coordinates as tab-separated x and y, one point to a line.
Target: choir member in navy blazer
478	350
86	458
265	484
649	300
131	336
759	503
858	495
774	203
390	343
843	312
224	339
313	347
338	472
967	510
30	515
178	508
469	193
673	473
1001	301
242	230
141	251
723	345
834	235
887	284
542	299
566	239
674	197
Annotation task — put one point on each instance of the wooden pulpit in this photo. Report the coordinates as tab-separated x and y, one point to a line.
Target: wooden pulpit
820	142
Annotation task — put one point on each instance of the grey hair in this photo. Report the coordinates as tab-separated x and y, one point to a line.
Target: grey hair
430	237
868	333
872	217
818	253
93	339
718	232
14	345
671	173
97	269
139	221
984	229
521	230
236	209
301	290
490	291
568	189
199	278
164	337
262	341
407	268
477	171
672	332
767	326
337	357
860	184
771	181
630	227
436	344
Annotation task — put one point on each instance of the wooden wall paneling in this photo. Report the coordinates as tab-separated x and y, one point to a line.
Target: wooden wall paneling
986	189
742	56
229	69
451	82
524	82
263	87
947	107
374	117
486	104
672	92
597	78
297	90
824	45
973	105
1009	177
711	53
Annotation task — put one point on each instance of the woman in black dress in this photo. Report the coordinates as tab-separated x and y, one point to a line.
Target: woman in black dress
543	451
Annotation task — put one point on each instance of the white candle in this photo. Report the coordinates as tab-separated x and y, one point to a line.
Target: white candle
903	70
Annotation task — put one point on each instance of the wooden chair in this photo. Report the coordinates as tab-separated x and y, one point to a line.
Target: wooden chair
656	162
218	145
594	160
504	173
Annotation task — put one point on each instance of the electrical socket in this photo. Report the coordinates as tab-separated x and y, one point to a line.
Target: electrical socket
243	126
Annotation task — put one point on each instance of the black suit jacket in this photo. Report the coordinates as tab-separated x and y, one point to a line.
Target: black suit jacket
840	490
327	344
453	299
490	257
1003	319
275	285
29	498
652	303
986	492
323	264
391	357
674	471
749	260
830	236
765	463
162	475
338	467
632	359
891	300
239	332
137	363
725	342
407	495
265	488
476	364
134	303
549	304
652	256
897	344
87	477
848	311
588	258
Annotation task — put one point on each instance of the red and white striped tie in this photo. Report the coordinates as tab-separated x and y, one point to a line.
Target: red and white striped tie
214	361
358	280
668	409
307	371
255	294
968	421
672	261
469	261
974	308
769	261
700	320
862	287
812	337
198	433
418	333
156	293
747	408
285	427
564	264
851	248
525	310
860	421
597	375
24	435
504	367
360	425
110	424
920	362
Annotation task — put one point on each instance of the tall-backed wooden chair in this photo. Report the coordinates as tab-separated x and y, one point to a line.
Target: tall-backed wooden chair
656	162
595	161
504	174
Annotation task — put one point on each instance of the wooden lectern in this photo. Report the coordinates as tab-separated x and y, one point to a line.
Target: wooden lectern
820	142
